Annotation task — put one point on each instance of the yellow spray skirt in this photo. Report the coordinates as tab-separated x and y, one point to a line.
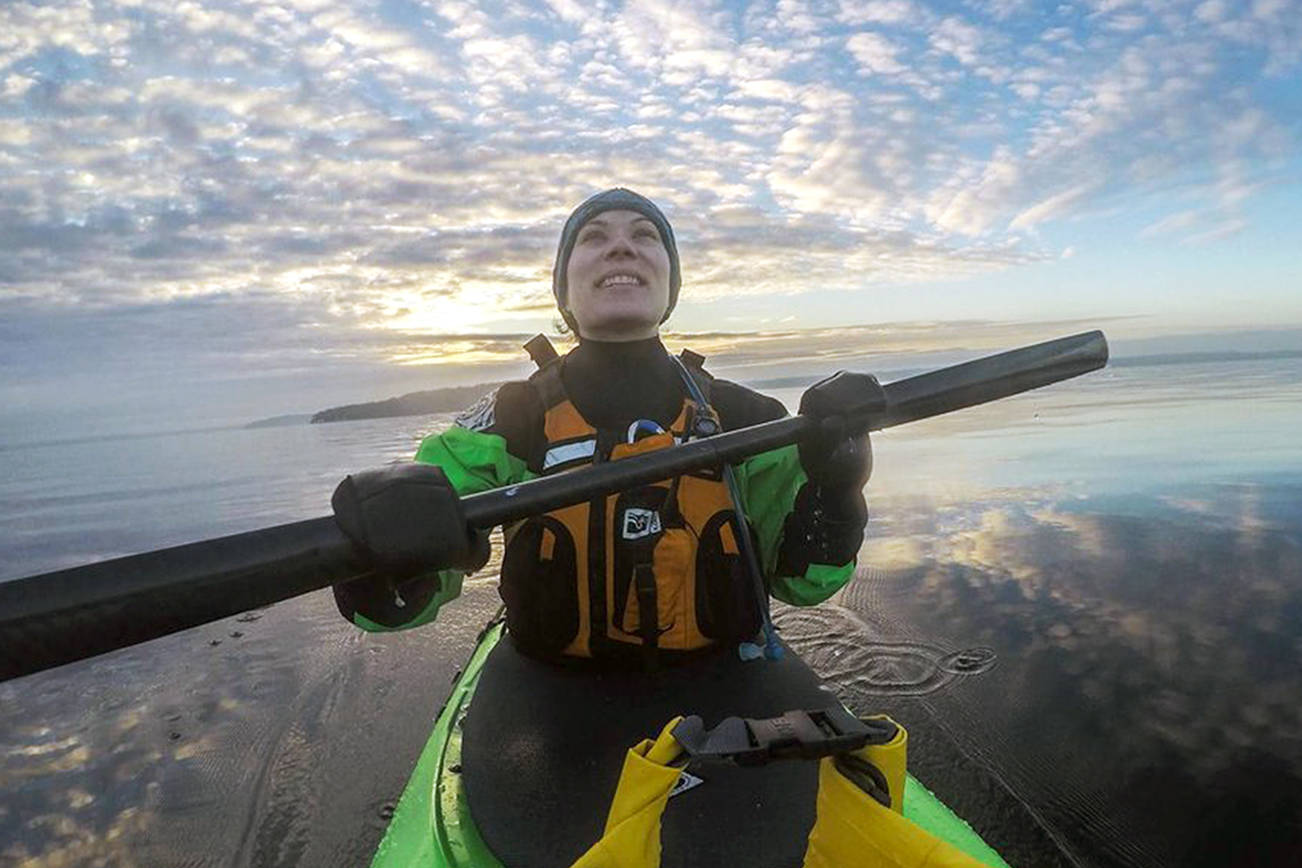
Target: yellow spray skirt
852	829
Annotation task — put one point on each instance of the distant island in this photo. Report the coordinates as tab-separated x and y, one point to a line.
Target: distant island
446	400
280	421
454	398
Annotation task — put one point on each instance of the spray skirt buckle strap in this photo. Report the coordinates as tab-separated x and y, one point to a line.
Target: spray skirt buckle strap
794	735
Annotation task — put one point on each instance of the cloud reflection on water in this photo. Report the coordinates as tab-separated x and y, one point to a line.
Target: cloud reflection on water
1148	667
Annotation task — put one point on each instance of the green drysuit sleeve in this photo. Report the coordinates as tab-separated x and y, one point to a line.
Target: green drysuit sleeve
473	461
770	483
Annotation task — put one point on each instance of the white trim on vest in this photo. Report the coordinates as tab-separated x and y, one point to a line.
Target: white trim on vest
569	452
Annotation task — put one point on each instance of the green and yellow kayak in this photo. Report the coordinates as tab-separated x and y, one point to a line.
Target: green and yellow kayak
525	757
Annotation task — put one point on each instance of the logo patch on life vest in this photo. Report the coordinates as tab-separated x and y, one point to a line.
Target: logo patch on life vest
639	523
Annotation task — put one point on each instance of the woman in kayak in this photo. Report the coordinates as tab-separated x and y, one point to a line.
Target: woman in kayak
644	595
656	574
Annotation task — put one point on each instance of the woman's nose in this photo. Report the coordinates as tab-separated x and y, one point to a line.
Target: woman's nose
620	247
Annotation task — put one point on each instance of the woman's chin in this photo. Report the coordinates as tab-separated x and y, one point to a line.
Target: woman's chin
621	325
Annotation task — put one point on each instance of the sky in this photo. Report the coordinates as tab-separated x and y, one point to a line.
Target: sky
227	209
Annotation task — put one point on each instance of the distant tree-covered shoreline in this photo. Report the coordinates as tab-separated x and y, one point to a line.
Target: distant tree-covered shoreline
446	400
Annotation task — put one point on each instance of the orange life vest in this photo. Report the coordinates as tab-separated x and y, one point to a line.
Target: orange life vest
652	572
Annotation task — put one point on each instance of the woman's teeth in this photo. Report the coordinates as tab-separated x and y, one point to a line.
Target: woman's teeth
620	279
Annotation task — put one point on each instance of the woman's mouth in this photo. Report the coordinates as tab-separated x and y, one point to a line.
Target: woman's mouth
619	278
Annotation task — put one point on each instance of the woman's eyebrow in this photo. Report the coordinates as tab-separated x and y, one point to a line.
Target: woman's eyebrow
599	221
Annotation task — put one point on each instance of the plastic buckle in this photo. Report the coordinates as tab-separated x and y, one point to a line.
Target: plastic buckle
794	735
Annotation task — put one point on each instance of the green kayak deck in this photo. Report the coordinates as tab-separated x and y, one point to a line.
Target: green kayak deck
432	827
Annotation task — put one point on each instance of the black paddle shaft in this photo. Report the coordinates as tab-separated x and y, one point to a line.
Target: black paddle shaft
56	618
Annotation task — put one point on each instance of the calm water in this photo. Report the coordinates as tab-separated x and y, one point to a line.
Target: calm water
1085	603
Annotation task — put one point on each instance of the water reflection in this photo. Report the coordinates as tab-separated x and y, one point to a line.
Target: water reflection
279	737
1145	697
1089	618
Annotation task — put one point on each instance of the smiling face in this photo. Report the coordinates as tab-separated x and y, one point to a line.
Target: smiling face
618	277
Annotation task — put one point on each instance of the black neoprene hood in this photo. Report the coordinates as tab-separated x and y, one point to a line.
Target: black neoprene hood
615	199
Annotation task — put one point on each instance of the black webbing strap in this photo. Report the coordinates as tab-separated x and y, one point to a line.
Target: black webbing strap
546	381
703	380
648	613
772	648
691	359
540	350
547	384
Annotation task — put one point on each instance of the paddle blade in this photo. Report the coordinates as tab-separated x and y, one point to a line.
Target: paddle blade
992	378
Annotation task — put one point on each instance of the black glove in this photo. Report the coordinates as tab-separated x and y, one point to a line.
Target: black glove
838	462
839	458
407	519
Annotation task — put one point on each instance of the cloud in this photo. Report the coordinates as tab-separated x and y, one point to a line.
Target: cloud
1127	23
1220	232
975	203
1054	206
855	12
875	54
958	38
377	162
1171	223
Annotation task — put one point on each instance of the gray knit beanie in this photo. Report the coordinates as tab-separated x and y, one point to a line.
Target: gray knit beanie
615	199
